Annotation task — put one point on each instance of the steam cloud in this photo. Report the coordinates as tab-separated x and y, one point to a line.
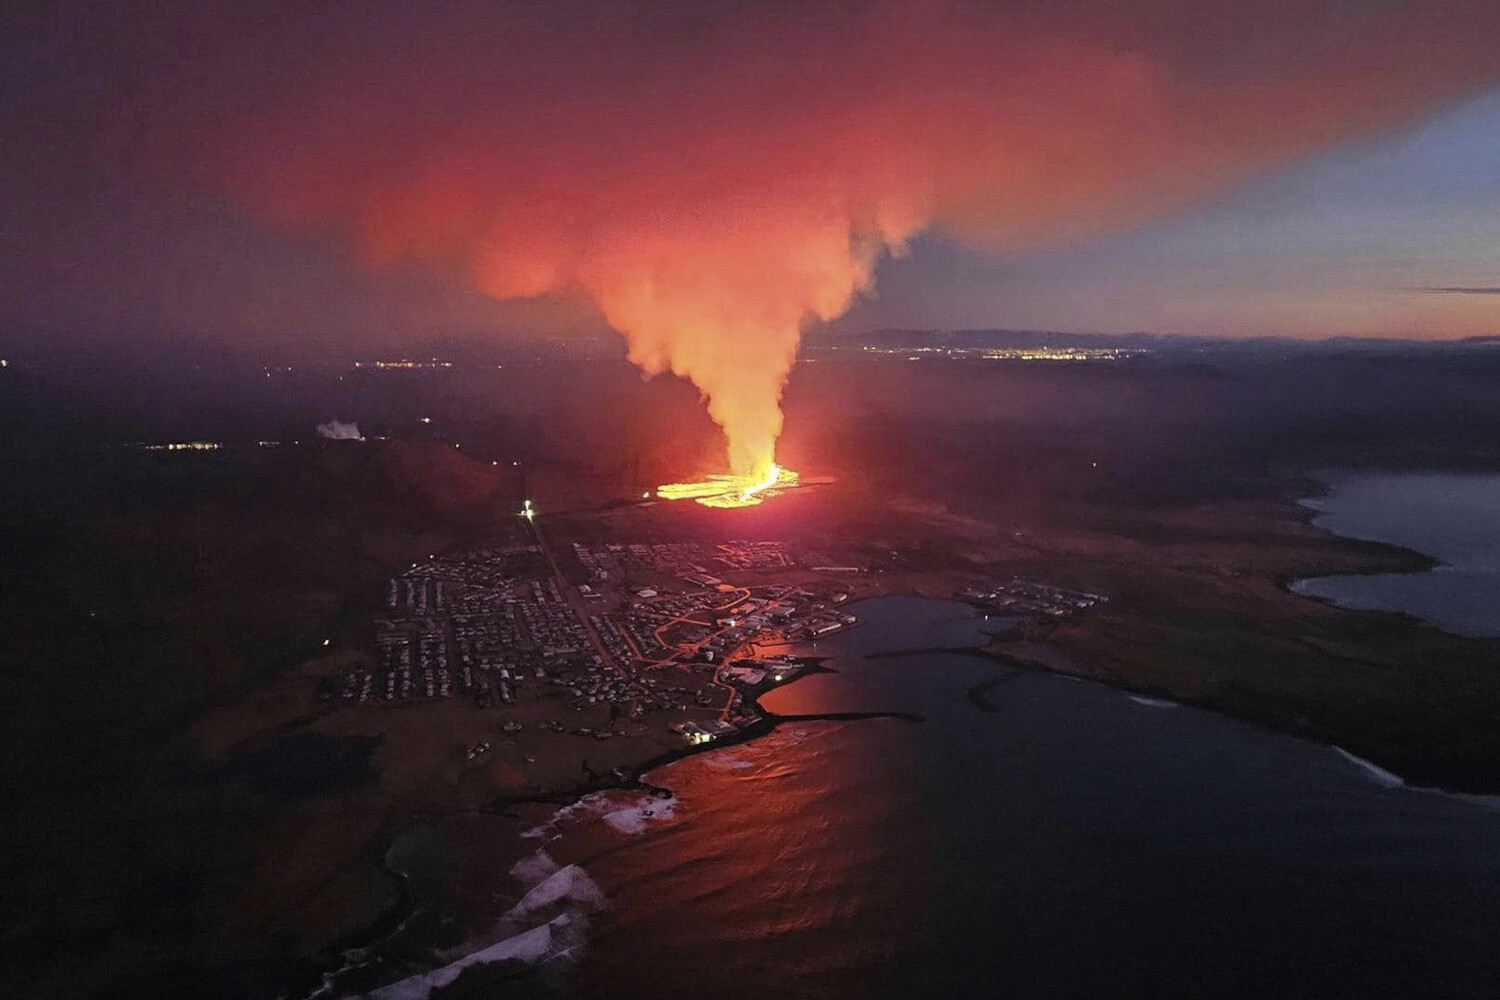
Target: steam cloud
714	178
337	430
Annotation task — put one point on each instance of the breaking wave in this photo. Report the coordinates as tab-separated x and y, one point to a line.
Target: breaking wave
561	900
1377	773
557	935
533	868
1386	779
634	817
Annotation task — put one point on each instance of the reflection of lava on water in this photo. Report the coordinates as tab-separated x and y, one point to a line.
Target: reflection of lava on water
732	491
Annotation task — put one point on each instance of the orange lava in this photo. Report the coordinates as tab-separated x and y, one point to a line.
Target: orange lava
731	491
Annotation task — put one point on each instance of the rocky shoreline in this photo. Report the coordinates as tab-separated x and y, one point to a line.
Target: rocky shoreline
357	950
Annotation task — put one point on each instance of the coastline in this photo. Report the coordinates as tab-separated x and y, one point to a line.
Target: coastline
1272	724
1001	651
1450	582
1410	561
320	976
1361	556
1157	697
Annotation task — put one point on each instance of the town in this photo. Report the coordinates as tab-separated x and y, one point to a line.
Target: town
1029	598
656	628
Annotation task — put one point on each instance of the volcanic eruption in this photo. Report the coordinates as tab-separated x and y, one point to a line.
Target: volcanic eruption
732	490
713	178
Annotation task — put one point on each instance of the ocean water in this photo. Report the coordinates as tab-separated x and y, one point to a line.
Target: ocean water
1033	836
1454	518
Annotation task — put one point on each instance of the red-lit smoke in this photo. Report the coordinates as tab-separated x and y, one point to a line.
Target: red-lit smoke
713	178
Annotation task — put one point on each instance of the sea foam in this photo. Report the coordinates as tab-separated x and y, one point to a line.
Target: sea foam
1379	774
1386	779
533	868
570	886
1141	699
562	900
634	818
530	946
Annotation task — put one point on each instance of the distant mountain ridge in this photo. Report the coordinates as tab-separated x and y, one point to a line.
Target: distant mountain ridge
981	339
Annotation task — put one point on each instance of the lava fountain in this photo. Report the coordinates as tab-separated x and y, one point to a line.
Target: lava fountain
711	185
727	491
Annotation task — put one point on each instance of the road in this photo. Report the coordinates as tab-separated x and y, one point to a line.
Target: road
572	597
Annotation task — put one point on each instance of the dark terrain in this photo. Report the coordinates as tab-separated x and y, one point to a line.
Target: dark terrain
142	590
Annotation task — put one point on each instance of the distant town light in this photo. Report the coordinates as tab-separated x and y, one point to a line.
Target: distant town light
407	363
183	446
426	420
327	641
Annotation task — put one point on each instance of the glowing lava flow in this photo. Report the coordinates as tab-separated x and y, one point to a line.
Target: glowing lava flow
731	491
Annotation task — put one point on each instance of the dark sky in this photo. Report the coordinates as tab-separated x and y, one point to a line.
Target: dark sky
705	177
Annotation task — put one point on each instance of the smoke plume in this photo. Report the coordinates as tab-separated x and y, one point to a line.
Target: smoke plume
715	177
337	430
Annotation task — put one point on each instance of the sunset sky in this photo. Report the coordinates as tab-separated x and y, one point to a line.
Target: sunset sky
381	175
1361	240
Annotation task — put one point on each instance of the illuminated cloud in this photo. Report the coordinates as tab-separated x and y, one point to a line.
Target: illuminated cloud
712	178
